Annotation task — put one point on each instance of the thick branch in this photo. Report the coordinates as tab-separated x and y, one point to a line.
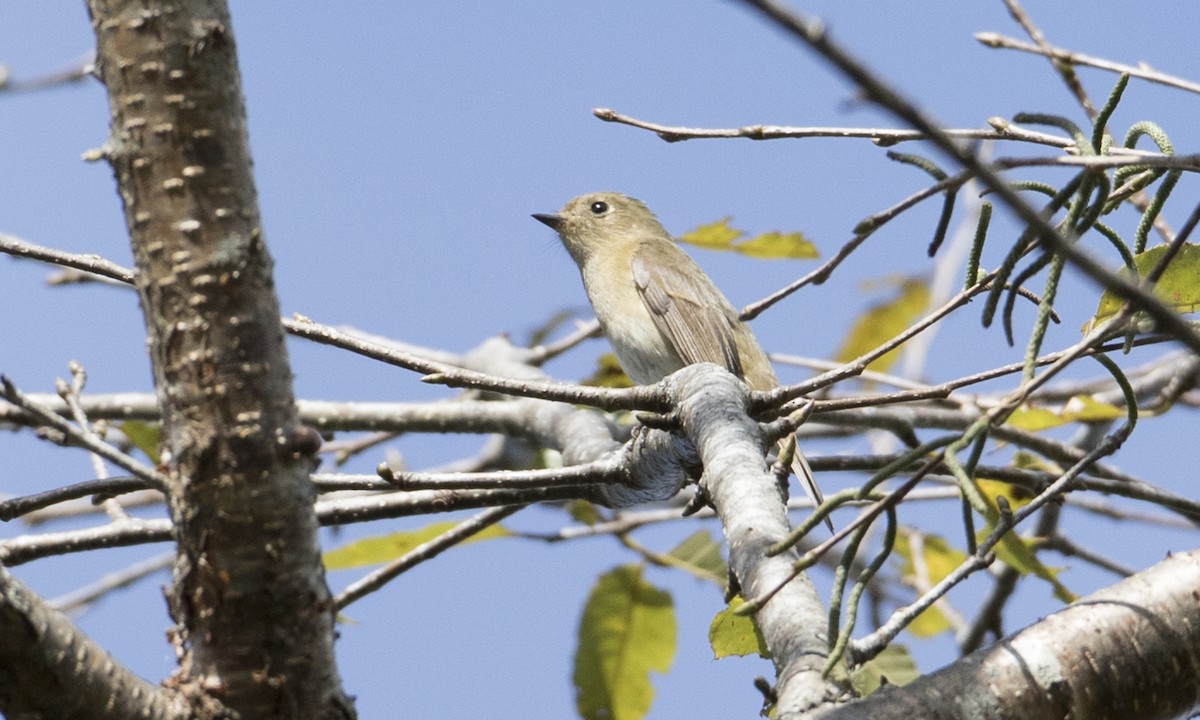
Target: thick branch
712	405
1128	651
48	668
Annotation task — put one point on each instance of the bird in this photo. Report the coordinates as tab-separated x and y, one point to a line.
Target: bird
657	307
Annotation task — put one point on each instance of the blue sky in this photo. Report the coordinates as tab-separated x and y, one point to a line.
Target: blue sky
399	149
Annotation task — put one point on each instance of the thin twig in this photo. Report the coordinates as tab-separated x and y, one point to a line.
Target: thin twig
585	474
1143	71
813	34
421	553
88	594
637	398
1065	70
87	440
18	506
881	136
862	231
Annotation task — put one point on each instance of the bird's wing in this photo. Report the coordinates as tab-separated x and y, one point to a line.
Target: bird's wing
674	294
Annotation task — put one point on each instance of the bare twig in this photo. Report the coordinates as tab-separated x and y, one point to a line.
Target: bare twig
881	136
813	34
639	398
85	439
421	553
1143	71
77	599
1065	70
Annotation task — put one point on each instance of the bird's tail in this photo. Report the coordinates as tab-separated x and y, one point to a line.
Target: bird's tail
804	473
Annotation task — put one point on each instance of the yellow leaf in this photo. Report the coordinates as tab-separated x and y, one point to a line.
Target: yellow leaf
884	321
1178	287
939	560
1032	418
627	630
1014	551
1080	408
731	634
714	236
774	245
930	623
1085	408
1016	495
769	246
385	548
1017	554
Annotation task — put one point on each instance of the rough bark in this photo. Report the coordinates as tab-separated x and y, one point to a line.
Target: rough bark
254	618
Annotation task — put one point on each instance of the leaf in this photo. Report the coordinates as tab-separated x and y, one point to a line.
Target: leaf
608	373
627	630
700	555
144	436
1034	418
738	635
584	512
767	246
1013	549
1015	552
1028	461
1016	495
774	245
1085	408
939	560
1178	287
385	548
894	664
930	623
1080	408
714	236
882	322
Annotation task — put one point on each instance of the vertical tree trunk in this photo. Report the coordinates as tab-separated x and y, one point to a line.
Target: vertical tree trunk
253	613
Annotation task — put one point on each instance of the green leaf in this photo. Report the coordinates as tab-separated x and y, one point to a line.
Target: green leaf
584	512
700	555
775	245
627	630
144	436
882	322
714	236
385	548
894	665
1178	287
731	634
1028	461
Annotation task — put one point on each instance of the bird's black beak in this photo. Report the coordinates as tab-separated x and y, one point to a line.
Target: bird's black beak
554	221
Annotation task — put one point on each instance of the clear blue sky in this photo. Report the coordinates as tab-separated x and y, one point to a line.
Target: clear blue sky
399	149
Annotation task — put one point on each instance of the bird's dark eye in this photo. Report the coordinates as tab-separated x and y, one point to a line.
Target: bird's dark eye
599	207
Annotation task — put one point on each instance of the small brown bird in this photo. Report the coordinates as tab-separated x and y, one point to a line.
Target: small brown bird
657	308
